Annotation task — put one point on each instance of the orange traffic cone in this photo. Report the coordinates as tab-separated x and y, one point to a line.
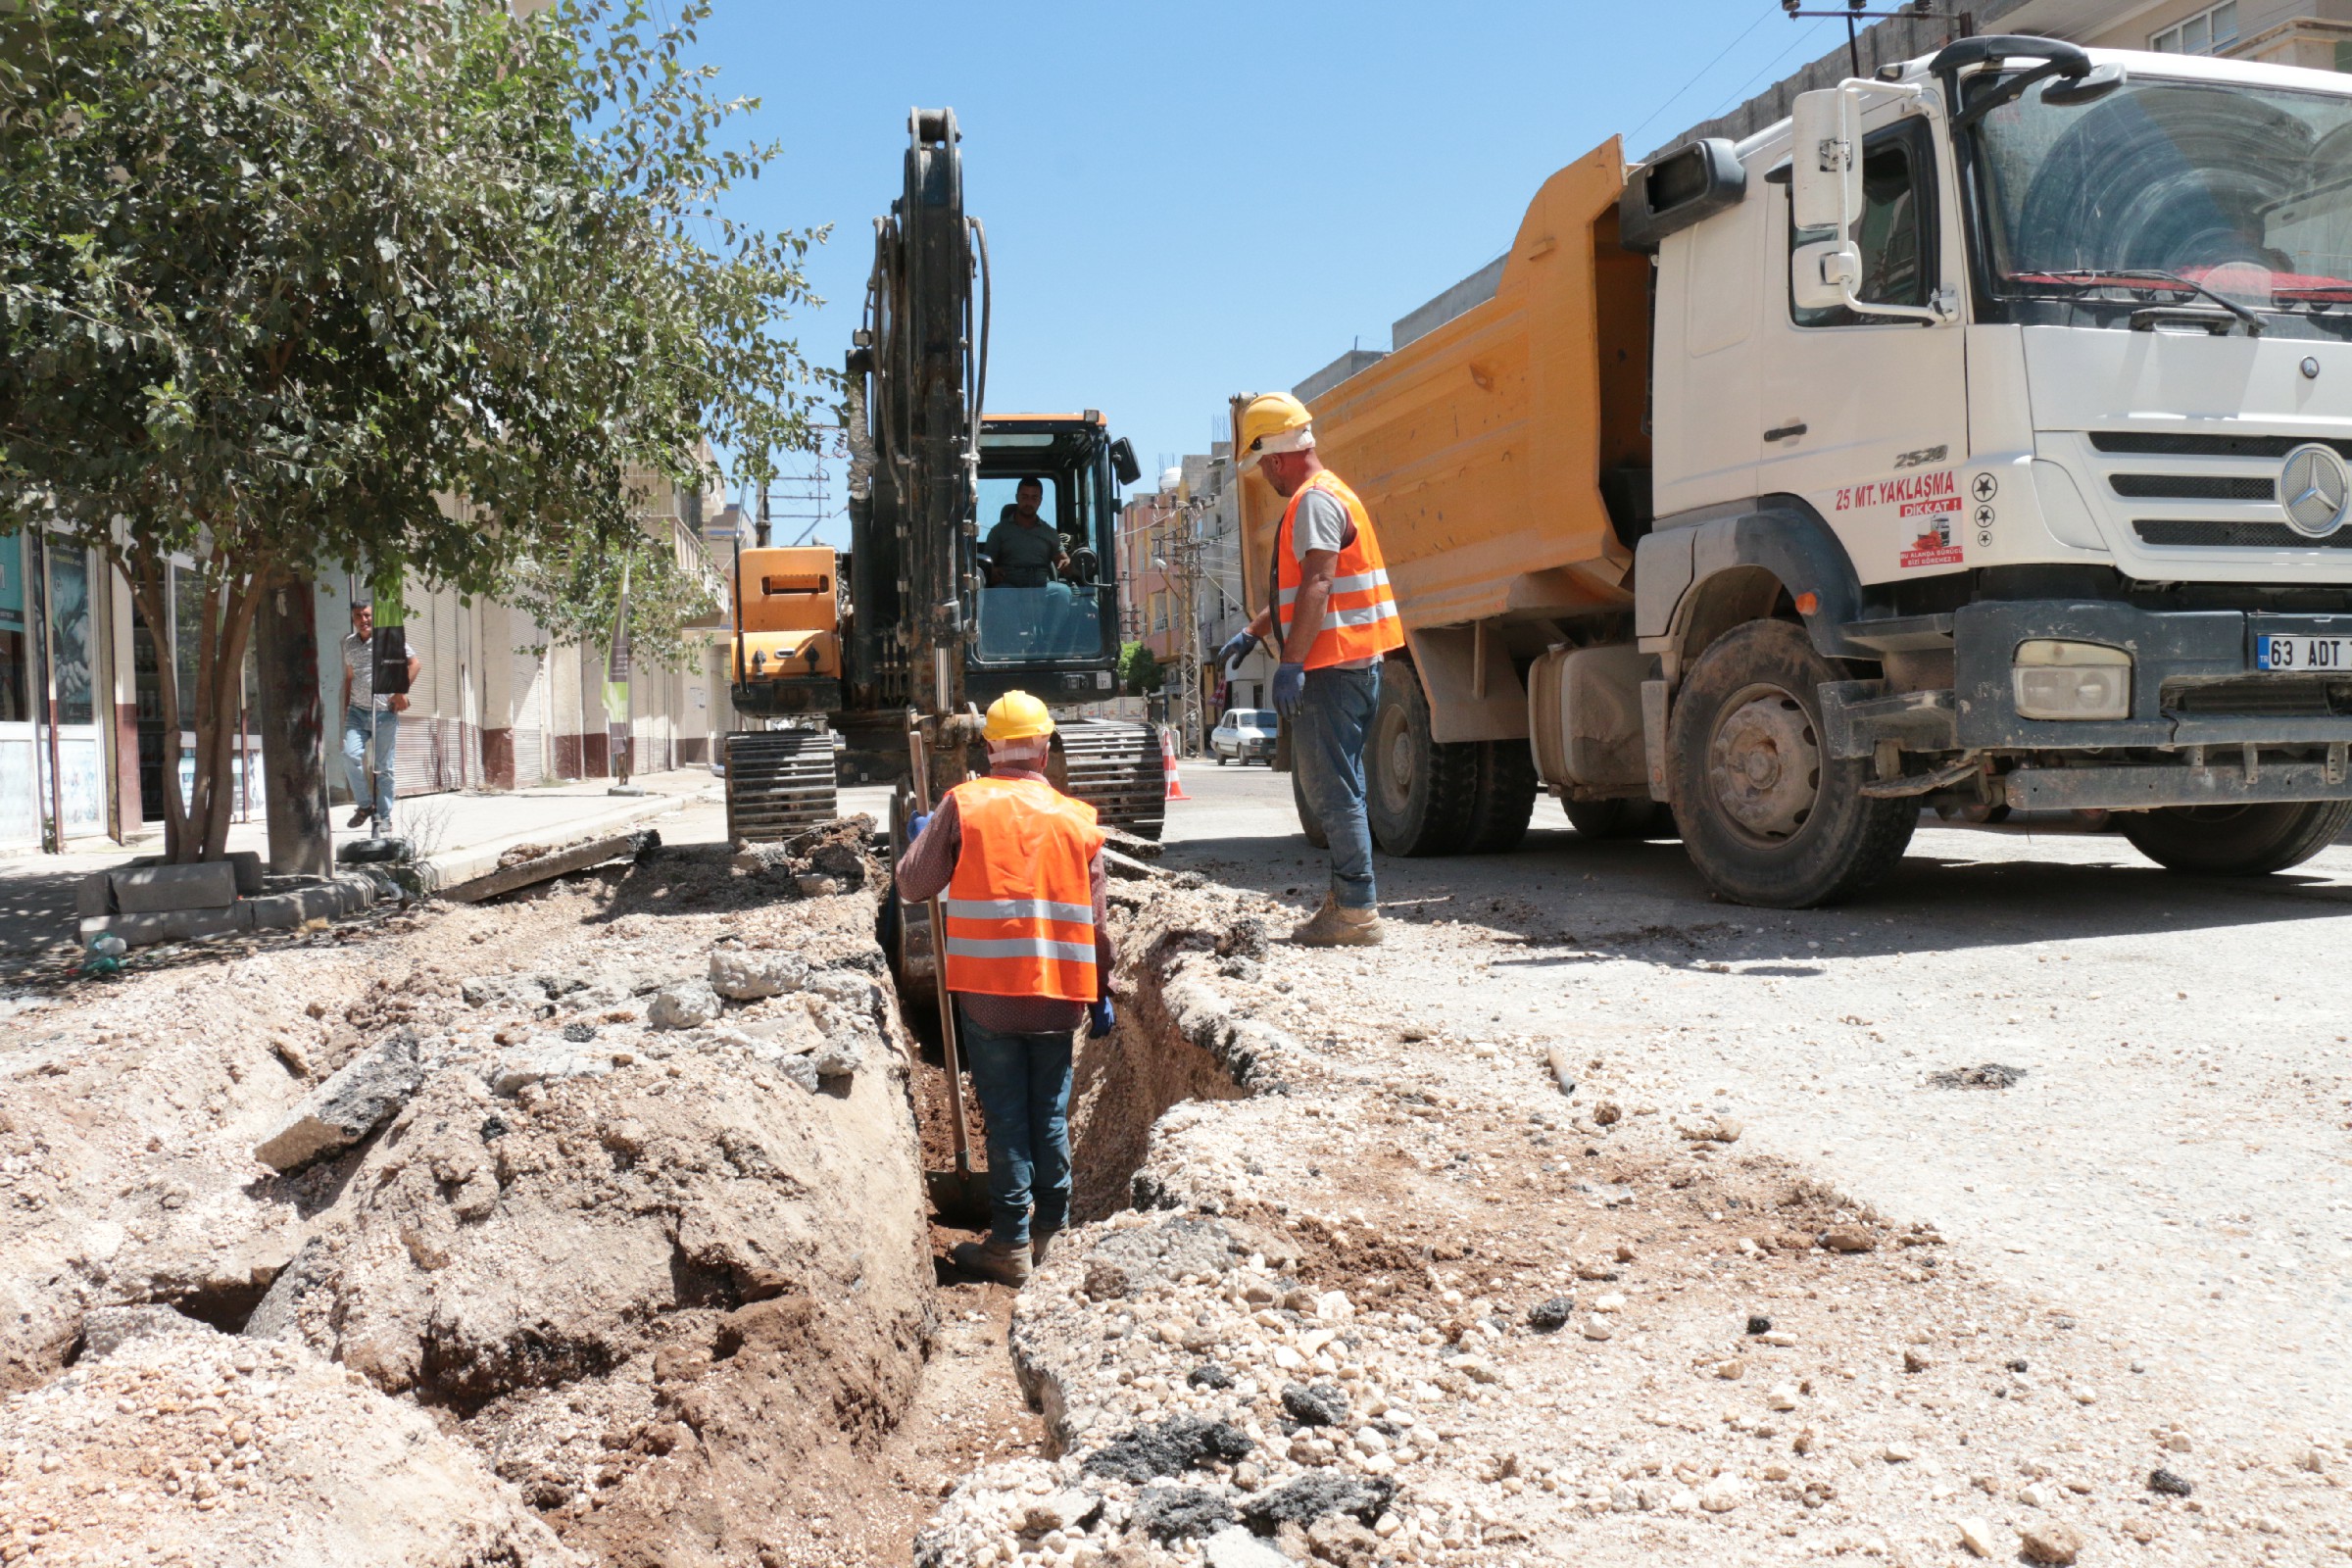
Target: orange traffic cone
1168	765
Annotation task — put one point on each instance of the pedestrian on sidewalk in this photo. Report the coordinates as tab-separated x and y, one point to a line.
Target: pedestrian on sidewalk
1333	619
370	718
1028	959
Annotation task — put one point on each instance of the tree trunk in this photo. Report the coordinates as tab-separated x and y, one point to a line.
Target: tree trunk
294	731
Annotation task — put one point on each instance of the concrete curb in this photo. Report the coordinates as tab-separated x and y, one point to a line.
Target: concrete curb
453	866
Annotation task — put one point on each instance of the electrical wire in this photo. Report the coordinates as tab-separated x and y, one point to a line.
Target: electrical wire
1702	71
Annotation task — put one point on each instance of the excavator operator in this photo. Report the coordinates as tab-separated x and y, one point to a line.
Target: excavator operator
1023	548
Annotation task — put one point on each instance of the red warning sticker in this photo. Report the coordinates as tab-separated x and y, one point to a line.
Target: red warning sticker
1934	546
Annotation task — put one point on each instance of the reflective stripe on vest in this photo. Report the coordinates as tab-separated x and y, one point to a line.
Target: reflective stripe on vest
1360	618
1020	909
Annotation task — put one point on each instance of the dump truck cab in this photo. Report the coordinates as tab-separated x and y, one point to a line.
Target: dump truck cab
786	655
1043	540
2019	377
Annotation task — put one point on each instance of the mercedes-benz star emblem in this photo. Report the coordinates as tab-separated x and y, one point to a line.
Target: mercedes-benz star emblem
2314	487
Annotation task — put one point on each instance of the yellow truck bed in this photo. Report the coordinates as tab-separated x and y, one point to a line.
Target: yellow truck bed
1479	447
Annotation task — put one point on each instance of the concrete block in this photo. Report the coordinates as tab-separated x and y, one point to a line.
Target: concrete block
94	895
355	892
187	925
247	863
137	930
275	911
210	885
360	1097
747	975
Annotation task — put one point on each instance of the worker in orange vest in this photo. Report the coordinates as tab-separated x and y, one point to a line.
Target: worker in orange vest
1333	618
1028	959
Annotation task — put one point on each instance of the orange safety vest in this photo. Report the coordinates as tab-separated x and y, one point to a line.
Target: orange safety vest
1020	907
1359	619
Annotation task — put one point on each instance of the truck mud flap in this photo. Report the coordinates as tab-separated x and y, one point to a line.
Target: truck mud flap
2227	781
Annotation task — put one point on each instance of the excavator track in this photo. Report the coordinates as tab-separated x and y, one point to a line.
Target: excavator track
779	782
1116	769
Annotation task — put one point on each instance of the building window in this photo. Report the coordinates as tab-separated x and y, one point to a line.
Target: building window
2208	32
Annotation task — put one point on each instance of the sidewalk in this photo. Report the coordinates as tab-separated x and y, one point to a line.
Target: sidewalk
459	835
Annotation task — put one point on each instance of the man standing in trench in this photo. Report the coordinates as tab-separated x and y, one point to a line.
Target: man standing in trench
1028	959
1333	619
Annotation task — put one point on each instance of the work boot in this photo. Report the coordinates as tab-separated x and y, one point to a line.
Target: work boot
1038	1243
1331	926
359	817
1006	1264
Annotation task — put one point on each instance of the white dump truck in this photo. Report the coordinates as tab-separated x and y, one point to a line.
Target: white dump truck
1977	438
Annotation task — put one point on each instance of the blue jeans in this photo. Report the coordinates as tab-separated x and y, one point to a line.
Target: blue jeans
378	792
1024	1084
1327	748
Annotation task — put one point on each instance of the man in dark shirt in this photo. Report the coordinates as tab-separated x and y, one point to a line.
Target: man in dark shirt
1024	550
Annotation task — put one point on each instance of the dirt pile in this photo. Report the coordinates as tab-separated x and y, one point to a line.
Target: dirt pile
668	1283
182	1445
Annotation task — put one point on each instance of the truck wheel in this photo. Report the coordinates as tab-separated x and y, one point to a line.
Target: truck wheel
1418	794
2235	840
1622	819
1768	818
1505	798
1309	825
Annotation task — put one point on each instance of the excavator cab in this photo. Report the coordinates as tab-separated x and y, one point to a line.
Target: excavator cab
1047	610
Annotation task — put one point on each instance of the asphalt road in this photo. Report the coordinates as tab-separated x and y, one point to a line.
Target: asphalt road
2174	1166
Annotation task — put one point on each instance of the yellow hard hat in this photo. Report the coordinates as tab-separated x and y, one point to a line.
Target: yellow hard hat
1273	422
1018	716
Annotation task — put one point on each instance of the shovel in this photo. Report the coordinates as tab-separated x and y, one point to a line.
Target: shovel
958	1197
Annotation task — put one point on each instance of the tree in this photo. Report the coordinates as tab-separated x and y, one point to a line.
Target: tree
287	284
1138	668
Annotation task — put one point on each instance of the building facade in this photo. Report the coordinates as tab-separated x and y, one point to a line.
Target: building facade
497	705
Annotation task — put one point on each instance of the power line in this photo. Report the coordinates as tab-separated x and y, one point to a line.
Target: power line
1695	80
1741	95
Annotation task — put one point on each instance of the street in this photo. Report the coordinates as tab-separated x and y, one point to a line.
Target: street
2175	1162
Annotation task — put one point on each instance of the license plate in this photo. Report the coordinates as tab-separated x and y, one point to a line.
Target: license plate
2331	655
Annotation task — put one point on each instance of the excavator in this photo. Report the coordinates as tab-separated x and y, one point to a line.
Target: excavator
981	557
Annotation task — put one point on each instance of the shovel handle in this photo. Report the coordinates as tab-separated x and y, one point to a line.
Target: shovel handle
949	1051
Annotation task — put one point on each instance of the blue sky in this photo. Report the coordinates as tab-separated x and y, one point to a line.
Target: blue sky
1186	201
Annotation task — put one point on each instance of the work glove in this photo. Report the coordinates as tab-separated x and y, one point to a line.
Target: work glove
1237	648
916	825
1290	684
1100	1019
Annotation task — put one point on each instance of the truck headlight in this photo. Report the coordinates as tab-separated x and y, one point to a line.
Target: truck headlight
2071	680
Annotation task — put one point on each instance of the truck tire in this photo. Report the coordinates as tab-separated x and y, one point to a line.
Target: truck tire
1767	816
1640	819
2235	840
1505	799
1309	825
1418	794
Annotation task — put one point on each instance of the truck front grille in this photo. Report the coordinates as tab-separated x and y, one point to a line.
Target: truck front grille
2262	697
2193	487
2204	535
2163	443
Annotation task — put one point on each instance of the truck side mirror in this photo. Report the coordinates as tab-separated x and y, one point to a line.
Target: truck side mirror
1123	464
1823	275
1825	164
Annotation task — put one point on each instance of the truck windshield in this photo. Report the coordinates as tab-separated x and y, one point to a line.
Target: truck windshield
2170	190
